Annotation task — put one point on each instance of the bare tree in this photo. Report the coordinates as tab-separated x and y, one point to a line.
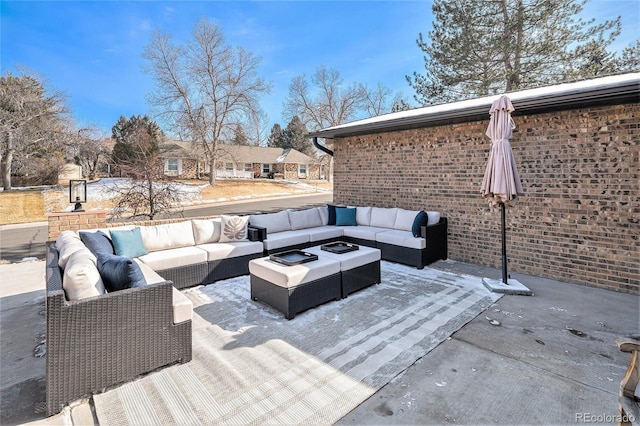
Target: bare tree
377	100
333	103
205	87
32	123
137	151
90	150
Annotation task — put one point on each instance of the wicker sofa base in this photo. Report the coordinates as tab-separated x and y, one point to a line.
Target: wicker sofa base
229	268
99	342
293	300
360	277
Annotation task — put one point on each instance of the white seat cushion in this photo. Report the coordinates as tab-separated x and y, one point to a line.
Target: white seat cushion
219	251
349	260
173	258
362	232
285	239
324	233
291	276
401	238
182	307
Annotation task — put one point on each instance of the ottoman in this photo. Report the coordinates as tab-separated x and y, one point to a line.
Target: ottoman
358	269
293	289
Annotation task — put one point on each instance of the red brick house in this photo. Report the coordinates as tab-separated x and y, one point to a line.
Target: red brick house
577	148
185	160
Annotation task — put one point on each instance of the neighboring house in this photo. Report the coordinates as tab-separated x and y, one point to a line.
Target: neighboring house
185	160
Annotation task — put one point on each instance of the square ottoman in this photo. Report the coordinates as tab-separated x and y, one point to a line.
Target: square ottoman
293	289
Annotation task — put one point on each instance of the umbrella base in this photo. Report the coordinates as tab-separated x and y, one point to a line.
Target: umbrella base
513	287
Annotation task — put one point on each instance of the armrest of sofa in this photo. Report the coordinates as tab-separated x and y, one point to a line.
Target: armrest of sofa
105	340
256	233
436	236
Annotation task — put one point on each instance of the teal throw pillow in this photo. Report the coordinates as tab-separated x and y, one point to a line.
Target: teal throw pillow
119	272
419	221
128	243
345	216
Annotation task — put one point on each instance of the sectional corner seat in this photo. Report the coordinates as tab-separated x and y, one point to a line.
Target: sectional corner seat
387	229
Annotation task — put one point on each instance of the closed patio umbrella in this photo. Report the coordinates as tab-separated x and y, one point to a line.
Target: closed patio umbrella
501	184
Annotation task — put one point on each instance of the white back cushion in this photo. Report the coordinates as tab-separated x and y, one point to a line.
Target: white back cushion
67	243
206	231
363	216
433	218
81	278
404	219
274	222
383	217
303	219
171	235
324	214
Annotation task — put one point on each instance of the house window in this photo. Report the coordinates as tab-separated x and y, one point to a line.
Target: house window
248	167
172	166
228	167
266	168
302	170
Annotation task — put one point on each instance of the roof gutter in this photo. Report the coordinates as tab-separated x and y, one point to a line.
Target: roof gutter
607	90
322	147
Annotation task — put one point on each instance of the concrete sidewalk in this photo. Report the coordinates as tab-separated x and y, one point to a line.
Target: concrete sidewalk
551	360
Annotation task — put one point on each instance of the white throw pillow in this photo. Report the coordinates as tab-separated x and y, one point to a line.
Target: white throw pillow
383	217
67	243
233	228
274	222
303	219
81	278
404	219
171	235
206	231
363	216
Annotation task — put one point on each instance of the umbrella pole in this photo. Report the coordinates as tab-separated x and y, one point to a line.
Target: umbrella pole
504	244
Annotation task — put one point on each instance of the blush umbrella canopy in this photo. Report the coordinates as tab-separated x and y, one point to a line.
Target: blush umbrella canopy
501	184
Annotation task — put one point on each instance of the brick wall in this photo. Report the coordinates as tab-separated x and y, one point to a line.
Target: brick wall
579	220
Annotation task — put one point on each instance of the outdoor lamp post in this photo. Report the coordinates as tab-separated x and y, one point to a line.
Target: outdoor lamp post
78	193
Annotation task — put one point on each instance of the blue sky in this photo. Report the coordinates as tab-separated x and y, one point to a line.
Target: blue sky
91	50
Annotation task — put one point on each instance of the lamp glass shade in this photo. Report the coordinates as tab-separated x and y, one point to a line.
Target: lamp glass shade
78	191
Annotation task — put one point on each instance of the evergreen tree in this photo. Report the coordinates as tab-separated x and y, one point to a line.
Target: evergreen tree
479	48
295	136
276	137
239	136
136	142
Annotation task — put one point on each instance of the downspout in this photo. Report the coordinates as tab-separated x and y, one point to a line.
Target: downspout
322	147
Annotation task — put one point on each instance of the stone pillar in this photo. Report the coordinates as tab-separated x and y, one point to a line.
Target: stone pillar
74	221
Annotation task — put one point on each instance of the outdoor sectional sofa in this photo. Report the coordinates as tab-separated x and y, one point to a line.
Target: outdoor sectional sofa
412	237
113	310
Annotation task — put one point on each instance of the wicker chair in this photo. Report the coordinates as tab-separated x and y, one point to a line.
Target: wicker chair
95	343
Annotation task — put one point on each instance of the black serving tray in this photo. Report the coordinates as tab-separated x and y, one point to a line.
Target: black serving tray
339	247
293	257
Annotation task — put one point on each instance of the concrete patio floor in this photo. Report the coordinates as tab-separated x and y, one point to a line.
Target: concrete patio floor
551	360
